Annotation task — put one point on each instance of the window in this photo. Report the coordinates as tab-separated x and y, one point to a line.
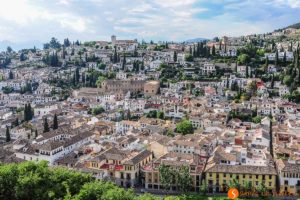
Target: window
286	182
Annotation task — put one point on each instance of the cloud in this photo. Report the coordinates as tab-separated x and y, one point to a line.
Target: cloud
78	25
290	3
174	3
177	20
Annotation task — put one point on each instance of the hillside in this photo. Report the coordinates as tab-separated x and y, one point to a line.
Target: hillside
296	26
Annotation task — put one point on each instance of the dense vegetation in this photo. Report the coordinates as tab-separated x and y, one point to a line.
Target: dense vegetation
36	181
296	26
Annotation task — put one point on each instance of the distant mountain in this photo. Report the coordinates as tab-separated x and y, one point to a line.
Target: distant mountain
19	45
195	40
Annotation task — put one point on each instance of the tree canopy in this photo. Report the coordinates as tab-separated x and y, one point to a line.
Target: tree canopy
29	180
184	127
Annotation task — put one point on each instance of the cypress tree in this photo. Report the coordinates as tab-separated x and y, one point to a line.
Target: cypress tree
175	56
124	62
77	74
55	122
46	125
284	59
115	58
266	64
63	52
11	75
213	50
201	49
135	53
26	113
74	79
16	123
7	139
207	52
276	58
35	133
30	113
271	136
227	83
143	66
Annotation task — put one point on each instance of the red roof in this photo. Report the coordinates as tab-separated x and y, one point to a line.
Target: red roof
112	167
238	141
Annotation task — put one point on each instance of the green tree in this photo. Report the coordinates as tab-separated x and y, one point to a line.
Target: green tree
11	75
36	134
243	59
213	50
100	80
284	59
234	184
227	83
252	87
26	113
261	189
257	119
184	179
55	122
54	43
124	62
160	115
77	75
247	71
16	122
7	135
272	81
30	112
97	110
203	188
166	176
46	125
247	186
276	58
115	56
94	190
9	49
22	57
175	56
189	58
184	127
287	80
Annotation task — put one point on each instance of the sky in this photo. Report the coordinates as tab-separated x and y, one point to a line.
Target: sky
36	21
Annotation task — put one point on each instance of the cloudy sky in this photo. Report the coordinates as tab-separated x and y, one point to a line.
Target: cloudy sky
38	20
